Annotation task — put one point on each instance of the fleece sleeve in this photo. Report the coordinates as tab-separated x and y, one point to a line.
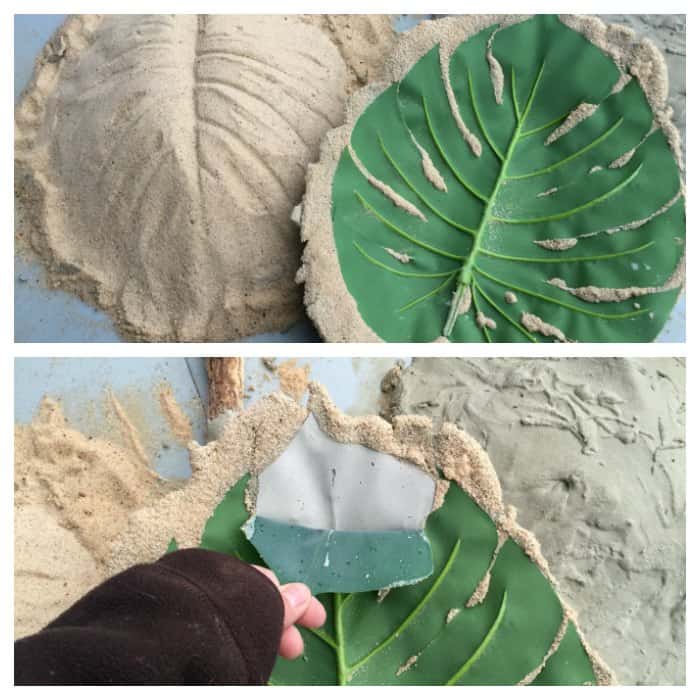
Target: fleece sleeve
193	617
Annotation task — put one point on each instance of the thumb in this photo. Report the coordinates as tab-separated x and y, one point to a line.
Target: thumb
297	598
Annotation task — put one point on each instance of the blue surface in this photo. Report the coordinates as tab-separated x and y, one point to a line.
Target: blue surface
81	385
49	315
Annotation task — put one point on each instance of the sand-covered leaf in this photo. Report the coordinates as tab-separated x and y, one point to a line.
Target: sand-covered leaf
425	633
159	158
517	188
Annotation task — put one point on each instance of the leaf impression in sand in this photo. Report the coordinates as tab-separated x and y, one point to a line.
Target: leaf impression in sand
529	181
488	614
158	158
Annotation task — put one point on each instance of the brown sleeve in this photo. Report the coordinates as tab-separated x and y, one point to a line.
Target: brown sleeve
193	617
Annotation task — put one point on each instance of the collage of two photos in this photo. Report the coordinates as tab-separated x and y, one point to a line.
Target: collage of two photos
217	489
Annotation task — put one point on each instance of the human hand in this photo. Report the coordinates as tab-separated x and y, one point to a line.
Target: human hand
300	608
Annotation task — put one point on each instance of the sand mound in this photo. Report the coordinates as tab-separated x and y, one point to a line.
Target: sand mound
158	159
51	571
73	495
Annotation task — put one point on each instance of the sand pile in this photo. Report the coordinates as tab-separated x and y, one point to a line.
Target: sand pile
159	157
294	379
73	496
605	497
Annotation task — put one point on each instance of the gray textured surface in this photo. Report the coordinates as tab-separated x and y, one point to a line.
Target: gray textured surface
323	484
668	33
591	453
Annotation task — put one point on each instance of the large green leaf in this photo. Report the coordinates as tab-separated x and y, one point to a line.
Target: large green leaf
479	234
367	640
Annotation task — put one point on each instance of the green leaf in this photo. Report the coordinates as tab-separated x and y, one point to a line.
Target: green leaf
368	640
479	235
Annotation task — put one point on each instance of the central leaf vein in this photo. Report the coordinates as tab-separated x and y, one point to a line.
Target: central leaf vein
465	275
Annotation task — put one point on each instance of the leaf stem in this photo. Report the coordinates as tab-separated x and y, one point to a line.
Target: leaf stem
436	583
484	643
340	644
475	301
457	299
416	191
495	306
323	636
431	293
472	190
572	259
551	300
581	207
480	121
465	274
516	106
573	156
402	233
402	273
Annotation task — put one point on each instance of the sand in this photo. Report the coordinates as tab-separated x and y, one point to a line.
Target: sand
294	380
51	571
73	494
178	422
363	41
328	301
159	157
668	33
605	499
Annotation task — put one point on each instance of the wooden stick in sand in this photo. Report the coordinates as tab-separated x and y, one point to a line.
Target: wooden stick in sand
225	377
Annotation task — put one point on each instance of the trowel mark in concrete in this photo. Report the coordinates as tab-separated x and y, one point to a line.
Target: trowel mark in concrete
573	408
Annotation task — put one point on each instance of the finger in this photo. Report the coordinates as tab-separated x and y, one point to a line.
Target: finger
291	644
315	615
297	598
268	574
